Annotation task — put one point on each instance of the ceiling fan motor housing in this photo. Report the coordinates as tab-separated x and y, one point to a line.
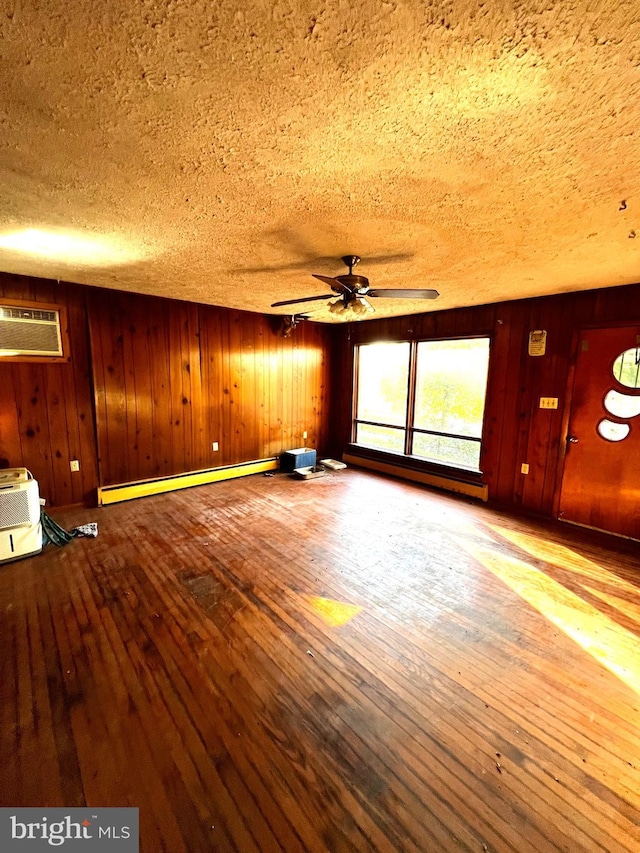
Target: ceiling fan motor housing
352	283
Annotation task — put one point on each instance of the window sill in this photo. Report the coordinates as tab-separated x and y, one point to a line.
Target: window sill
413	463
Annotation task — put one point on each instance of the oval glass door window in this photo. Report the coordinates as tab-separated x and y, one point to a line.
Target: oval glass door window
612	431
626	368
622	405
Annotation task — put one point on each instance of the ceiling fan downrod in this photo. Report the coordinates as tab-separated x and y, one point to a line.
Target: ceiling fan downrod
351	261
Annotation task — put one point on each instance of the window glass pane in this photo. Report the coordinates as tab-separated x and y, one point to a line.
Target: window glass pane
451	382
613	431
450	451
381	438
383	371
622	405
626	368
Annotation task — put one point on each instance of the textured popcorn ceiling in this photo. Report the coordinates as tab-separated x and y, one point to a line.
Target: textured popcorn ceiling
223	151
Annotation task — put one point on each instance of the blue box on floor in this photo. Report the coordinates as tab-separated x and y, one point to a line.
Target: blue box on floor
300	457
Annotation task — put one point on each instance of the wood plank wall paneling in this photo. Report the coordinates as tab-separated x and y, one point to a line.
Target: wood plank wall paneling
516	429
46	411
171	378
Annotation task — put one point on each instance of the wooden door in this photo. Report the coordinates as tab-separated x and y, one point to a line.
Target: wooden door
601	478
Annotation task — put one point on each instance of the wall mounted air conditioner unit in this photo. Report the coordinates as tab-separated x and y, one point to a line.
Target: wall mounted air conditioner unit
20	526
30	331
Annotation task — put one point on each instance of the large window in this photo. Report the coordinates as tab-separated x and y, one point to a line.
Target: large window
423	399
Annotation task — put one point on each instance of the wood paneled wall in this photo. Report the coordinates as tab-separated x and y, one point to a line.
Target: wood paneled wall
516	429
46	410
169	378
173	377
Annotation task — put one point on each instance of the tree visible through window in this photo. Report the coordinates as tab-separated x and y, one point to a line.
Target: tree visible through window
423	399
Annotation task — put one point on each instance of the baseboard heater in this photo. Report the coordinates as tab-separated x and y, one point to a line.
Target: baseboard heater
474	490
156	486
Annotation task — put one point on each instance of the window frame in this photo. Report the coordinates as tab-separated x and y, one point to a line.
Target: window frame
408	459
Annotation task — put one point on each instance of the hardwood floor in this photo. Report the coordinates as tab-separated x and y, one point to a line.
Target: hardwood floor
346	664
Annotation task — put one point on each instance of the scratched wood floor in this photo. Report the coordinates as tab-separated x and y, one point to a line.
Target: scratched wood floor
346	664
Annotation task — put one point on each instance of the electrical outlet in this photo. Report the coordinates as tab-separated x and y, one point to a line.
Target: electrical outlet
524	468
214	446
548	402
74	465
304	434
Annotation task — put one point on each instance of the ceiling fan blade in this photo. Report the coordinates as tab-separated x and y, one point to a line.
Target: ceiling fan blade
327	279
405	294
303	299
338	285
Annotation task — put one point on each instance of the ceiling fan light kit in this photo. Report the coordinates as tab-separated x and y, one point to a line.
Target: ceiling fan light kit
352	289
352	308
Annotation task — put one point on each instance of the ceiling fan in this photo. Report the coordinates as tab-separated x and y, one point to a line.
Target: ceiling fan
352	290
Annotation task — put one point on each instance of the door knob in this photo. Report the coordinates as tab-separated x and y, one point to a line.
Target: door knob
572	439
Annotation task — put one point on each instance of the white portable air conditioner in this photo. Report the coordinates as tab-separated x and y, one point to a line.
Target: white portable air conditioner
20	526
